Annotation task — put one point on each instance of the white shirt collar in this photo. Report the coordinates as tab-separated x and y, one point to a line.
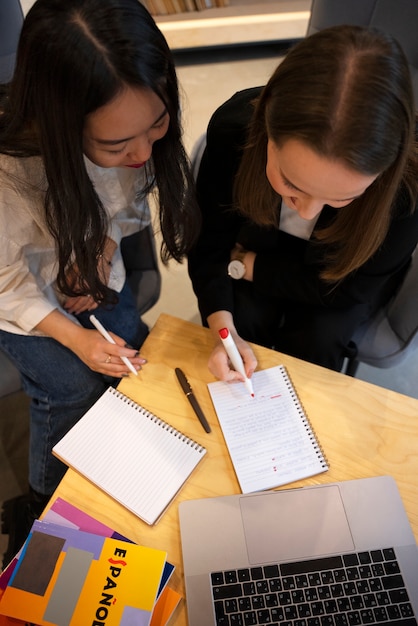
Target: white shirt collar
293	224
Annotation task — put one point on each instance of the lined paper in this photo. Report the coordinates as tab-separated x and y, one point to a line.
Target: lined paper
269	437
130	453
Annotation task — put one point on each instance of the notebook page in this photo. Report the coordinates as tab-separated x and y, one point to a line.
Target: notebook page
269	438
132	455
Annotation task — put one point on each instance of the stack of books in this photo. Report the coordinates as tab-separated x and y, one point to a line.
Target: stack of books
75	570
169	7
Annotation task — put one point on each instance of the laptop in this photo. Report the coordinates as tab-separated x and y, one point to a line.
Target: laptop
339	554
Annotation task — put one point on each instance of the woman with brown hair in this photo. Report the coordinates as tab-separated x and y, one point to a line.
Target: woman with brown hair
308	191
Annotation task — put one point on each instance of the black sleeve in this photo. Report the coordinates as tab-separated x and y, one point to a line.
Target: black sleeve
292	271
209	259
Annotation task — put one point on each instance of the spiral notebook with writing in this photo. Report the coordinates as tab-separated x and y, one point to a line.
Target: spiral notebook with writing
269	437
134	456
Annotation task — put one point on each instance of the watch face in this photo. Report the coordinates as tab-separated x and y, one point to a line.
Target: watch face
236	269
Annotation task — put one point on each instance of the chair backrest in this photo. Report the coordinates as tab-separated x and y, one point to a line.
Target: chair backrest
402	311
197	153
397	17
9	376
142	269
388	338
11	20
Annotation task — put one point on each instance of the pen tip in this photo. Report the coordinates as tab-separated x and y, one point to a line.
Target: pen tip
252	395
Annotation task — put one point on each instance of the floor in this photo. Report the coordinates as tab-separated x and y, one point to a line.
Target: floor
207	78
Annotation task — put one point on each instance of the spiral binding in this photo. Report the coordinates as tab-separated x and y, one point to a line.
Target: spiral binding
305	420
158	421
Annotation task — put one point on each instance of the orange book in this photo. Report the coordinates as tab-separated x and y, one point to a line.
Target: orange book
165	607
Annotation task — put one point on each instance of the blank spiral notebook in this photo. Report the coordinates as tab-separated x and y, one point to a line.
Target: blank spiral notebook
134	456
269	437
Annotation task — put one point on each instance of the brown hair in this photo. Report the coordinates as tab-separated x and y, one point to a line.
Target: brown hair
346	93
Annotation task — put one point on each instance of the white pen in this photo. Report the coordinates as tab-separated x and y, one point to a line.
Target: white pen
102	330
235	357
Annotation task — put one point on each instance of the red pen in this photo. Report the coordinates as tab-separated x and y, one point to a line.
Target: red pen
235	357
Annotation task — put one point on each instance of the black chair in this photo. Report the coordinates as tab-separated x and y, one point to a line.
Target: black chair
11	20
396	17
142	270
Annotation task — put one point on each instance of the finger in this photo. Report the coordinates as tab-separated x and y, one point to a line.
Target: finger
79	304
234	377
93	306
89	302
85	303
116	367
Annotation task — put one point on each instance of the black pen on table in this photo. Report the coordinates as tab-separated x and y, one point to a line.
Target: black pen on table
185	385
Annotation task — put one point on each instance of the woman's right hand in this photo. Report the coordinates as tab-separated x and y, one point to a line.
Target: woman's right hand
104	357
94	350
219	364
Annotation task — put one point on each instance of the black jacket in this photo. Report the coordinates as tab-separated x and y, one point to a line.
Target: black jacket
286	267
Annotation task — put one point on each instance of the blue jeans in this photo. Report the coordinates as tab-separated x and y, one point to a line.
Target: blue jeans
61	387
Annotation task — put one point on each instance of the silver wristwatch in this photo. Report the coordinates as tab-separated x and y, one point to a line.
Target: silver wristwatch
236	269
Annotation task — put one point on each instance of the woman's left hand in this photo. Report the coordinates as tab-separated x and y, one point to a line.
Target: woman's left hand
79	304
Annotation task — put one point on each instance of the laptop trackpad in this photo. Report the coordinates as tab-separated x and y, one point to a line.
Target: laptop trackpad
295	526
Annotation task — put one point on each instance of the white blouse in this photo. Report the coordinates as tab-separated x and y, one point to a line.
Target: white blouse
28	260
293	224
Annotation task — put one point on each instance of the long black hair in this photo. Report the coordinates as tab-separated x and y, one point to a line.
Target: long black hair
75	56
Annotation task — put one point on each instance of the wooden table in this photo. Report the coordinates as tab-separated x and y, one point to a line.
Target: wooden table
364	430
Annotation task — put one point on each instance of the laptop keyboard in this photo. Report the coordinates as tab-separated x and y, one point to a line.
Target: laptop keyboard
349	590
